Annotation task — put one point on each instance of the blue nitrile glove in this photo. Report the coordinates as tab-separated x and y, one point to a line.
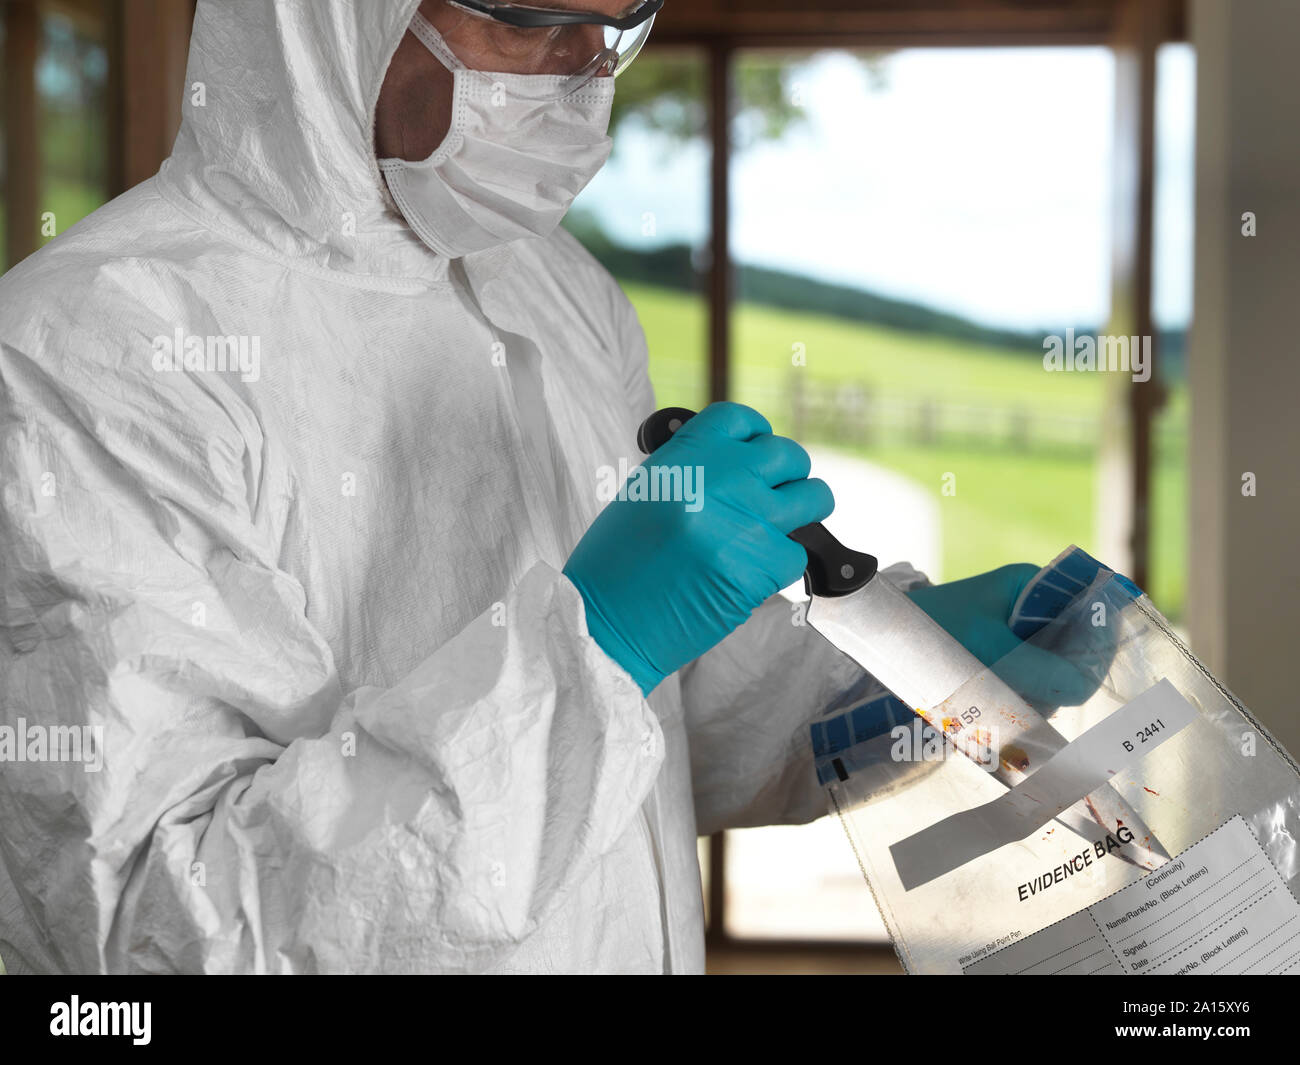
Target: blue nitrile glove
976	612
665	581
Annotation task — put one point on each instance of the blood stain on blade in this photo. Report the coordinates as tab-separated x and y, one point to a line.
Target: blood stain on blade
1014	757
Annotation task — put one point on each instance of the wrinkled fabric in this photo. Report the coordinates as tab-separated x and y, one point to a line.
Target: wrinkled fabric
351	717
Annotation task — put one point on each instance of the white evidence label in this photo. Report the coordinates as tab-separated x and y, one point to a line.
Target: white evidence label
1218	907
1074	772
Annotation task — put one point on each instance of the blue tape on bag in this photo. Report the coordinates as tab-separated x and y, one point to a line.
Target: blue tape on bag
1055	587
833	737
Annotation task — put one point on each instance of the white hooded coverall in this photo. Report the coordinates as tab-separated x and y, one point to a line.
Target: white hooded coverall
348	711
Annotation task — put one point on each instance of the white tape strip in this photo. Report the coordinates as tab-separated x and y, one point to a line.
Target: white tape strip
1074	772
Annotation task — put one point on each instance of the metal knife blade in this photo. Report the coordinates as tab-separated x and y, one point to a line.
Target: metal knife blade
899	644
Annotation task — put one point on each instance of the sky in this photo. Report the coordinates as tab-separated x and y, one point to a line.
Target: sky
973	180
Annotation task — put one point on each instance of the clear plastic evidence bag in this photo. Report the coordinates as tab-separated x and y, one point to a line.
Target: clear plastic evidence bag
1094	803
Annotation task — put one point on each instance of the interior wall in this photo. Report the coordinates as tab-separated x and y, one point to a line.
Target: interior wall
1244	596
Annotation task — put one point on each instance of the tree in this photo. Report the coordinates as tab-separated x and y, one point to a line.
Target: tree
666	91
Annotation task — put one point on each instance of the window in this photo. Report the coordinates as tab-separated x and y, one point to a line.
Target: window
903	248
906	229
55	162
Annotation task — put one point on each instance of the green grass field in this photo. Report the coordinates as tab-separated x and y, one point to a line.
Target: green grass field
1009	505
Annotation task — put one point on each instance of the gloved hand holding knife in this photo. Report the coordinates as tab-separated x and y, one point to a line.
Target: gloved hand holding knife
663	584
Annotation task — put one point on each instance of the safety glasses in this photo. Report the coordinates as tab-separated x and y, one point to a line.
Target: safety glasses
490	36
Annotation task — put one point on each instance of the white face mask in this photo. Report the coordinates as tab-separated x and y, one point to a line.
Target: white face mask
512	161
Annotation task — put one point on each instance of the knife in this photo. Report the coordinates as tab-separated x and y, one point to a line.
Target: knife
912	655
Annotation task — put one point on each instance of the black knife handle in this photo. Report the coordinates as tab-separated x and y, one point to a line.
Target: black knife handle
657	428
833	569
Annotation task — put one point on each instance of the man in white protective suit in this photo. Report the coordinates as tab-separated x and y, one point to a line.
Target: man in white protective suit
302	549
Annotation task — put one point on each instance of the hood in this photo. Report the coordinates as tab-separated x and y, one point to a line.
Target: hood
276	145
